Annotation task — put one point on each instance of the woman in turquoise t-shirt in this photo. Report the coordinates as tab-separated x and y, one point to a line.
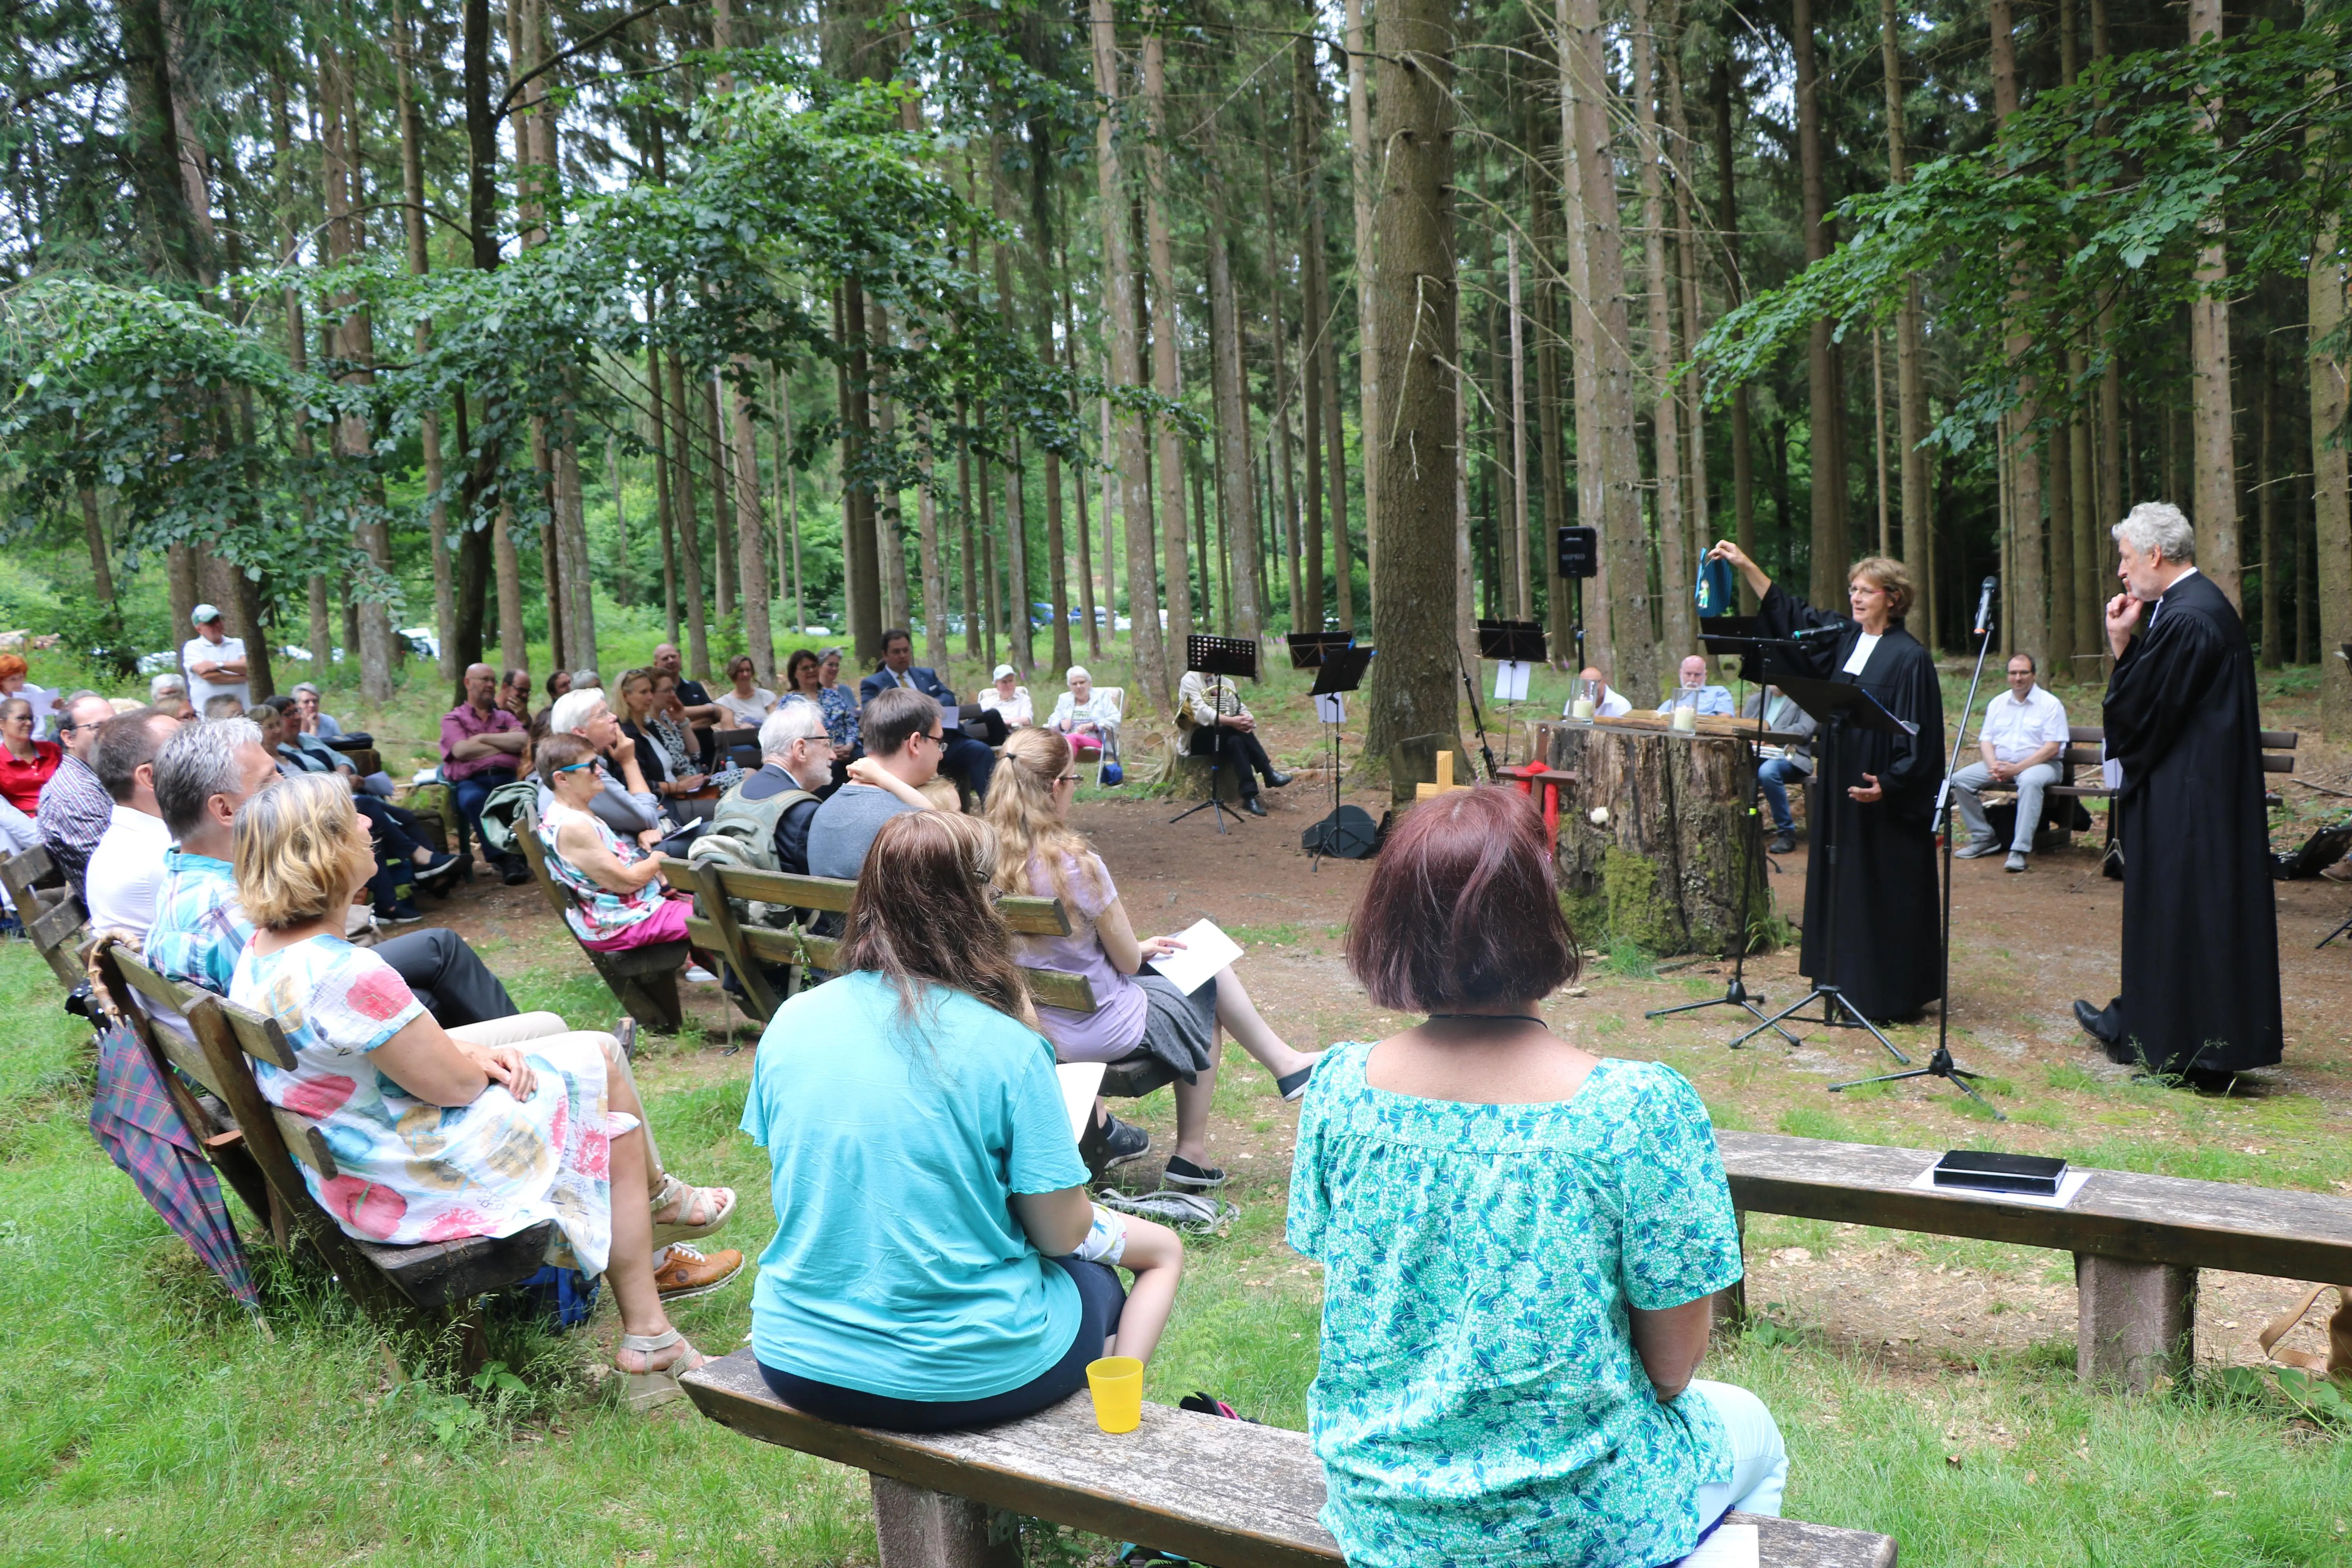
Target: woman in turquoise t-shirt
936	1263
1520	1242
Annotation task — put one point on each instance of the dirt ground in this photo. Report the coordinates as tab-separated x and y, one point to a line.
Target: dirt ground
2026	946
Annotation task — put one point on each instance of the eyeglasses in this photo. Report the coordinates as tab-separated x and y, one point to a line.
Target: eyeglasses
1069	778
596	763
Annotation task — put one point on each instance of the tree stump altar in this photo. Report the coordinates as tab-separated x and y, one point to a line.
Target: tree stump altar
1655	840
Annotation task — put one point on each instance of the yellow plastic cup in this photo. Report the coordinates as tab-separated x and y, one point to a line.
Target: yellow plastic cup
1117	1384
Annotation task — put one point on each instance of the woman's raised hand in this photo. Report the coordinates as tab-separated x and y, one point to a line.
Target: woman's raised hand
867	771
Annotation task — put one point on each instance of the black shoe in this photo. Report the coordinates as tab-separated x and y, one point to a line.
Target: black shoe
514	873
1122	1141
2099	1025
438	874
1783	842
400	913
1182	1173
1254	806
1276	781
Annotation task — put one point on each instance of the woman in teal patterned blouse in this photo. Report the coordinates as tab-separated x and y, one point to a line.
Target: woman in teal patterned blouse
1520	1243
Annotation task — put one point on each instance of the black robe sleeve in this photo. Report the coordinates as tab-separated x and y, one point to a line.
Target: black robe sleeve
1914	763
1782	613
2163	678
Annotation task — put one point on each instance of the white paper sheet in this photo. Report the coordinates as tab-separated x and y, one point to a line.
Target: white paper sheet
1331	708
1081	1081
1206	950
1731	1546
1511	681
2068	1185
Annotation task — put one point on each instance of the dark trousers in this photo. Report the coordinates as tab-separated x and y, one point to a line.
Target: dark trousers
450	978
970	764
1237	750
1101	1299
470	793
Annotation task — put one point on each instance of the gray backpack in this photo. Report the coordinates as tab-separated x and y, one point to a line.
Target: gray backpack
743	832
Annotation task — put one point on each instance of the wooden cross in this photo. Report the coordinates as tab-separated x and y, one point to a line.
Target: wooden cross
1444	784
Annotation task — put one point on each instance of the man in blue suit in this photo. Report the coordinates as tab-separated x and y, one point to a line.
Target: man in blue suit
966	760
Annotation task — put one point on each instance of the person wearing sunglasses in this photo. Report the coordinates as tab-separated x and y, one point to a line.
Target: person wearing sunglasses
618	900
74	806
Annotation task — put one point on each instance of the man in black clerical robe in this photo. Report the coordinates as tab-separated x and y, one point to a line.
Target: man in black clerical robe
2201	979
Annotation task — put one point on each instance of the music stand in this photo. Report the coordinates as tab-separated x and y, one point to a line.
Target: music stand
1308	649
1349	833
1833	704
1750	647
1218	655
1513	642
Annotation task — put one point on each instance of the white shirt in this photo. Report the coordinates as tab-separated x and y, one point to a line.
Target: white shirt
749	710
1612	704
126	872
1863	646
2015	730
1016	708
201	650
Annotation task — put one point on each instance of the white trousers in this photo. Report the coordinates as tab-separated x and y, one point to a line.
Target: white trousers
2029	784
1760	1463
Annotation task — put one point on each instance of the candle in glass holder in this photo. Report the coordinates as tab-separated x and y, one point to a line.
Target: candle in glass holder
1686	720
1581	709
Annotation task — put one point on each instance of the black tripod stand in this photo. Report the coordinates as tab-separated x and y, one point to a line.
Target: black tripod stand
1939	1062
1736	993
1220	657
1833	706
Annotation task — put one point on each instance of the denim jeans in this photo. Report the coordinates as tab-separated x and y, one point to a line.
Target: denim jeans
470	793
1773	779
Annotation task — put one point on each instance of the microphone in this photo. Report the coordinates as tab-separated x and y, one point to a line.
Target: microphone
1835	628
1984	605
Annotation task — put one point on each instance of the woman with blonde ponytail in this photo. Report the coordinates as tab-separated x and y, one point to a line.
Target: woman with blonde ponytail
1137	1013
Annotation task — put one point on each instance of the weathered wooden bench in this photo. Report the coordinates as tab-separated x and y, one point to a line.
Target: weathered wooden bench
752	949
53	919
2138	1241
2084	749
255	1148
1229	1492
643	980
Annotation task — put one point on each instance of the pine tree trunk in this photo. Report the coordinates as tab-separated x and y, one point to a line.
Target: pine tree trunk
1743	443
1665	404
1157	697
690	522
664	515
1686	276
1634	650
2214	488
1231	391
1176	573
861	561
1412	683
1600	610
2331	496
1544	201
1824	435
411	188
1362	185
2025	590
1910	385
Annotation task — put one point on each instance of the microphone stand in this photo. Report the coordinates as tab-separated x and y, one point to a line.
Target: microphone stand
1476	722
1940	1063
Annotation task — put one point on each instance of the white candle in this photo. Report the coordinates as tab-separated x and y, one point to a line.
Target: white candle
1686	719
1581	711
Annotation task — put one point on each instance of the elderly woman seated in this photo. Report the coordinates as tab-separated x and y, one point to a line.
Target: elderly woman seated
485	1129
617	896
1136	1013
1010	699
1087	717
1521	1241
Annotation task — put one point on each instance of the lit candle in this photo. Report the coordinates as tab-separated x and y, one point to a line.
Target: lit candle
1581	711
1685	718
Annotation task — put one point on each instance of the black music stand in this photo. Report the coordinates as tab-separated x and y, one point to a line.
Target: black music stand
1308	649
1515	642
1834	704
1739	635
1218	655
1349	833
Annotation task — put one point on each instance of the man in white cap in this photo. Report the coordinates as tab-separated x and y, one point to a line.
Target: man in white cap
215	663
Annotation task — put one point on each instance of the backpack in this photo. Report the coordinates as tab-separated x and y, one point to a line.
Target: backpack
743	832
502	811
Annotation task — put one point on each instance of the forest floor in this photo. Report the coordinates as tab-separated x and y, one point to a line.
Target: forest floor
1925	1385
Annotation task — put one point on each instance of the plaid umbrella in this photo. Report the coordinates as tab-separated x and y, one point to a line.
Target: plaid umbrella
133	1118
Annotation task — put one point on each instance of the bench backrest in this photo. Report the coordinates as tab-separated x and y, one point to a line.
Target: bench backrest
749	947
53	918
2084	742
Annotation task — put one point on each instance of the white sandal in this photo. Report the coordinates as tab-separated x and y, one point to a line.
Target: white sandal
656	1386
687	1198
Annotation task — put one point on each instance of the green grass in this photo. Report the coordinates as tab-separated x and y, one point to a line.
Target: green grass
145	1419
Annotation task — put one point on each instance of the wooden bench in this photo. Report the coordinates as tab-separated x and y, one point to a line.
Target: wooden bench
752	949
2138	1241
643	979
53	918
1229	1492
2084	749
256	1147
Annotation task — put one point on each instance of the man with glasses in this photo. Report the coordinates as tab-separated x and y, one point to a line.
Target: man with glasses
904	743
766	817
75	807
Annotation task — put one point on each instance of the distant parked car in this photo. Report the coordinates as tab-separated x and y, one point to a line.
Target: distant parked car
156	663
422	641
302	655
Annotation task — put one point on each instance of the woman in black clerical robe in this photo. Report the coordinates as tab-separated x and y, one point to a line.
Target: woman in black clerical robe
1881	803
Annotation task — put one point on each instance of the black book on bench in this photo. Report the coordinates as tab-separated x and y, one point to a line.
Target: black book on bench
1993	1173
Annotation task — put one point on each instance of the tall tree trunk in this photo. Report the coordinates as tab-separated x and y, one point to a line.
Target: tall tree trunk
991	591
356	348
1523	596
1175	573
973	600
101	573
1127	370
1544	200
1743	442
1665	405
1910	383
2082	555
861	557
1599	611
1086	600
1231	387
665	512
412	184
2266	477
2214	490
1827	417
2111	503
1678	127
2026	592
750	528
1363	186
1326	376
689	523
927	550
1633	648
620	522
792	477
890	515
2331	496
1420	513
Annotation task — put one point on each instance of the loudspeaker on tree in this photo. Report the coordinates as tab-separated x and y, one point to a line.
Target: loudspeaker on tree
1580	552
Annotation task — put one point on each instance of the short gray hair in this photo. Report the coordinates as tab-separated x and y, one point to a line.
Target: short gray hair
164	683
197	762
2158	528
572	710
587	677
310	685
792	721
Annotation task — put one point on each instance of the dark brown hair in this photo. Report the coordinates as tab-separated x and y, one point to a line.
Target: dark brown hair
1462	909
922	911
792	667
897	715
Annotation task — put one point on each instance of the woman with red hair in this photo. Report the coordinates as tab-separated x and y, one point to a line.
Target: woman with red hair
1521	1241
